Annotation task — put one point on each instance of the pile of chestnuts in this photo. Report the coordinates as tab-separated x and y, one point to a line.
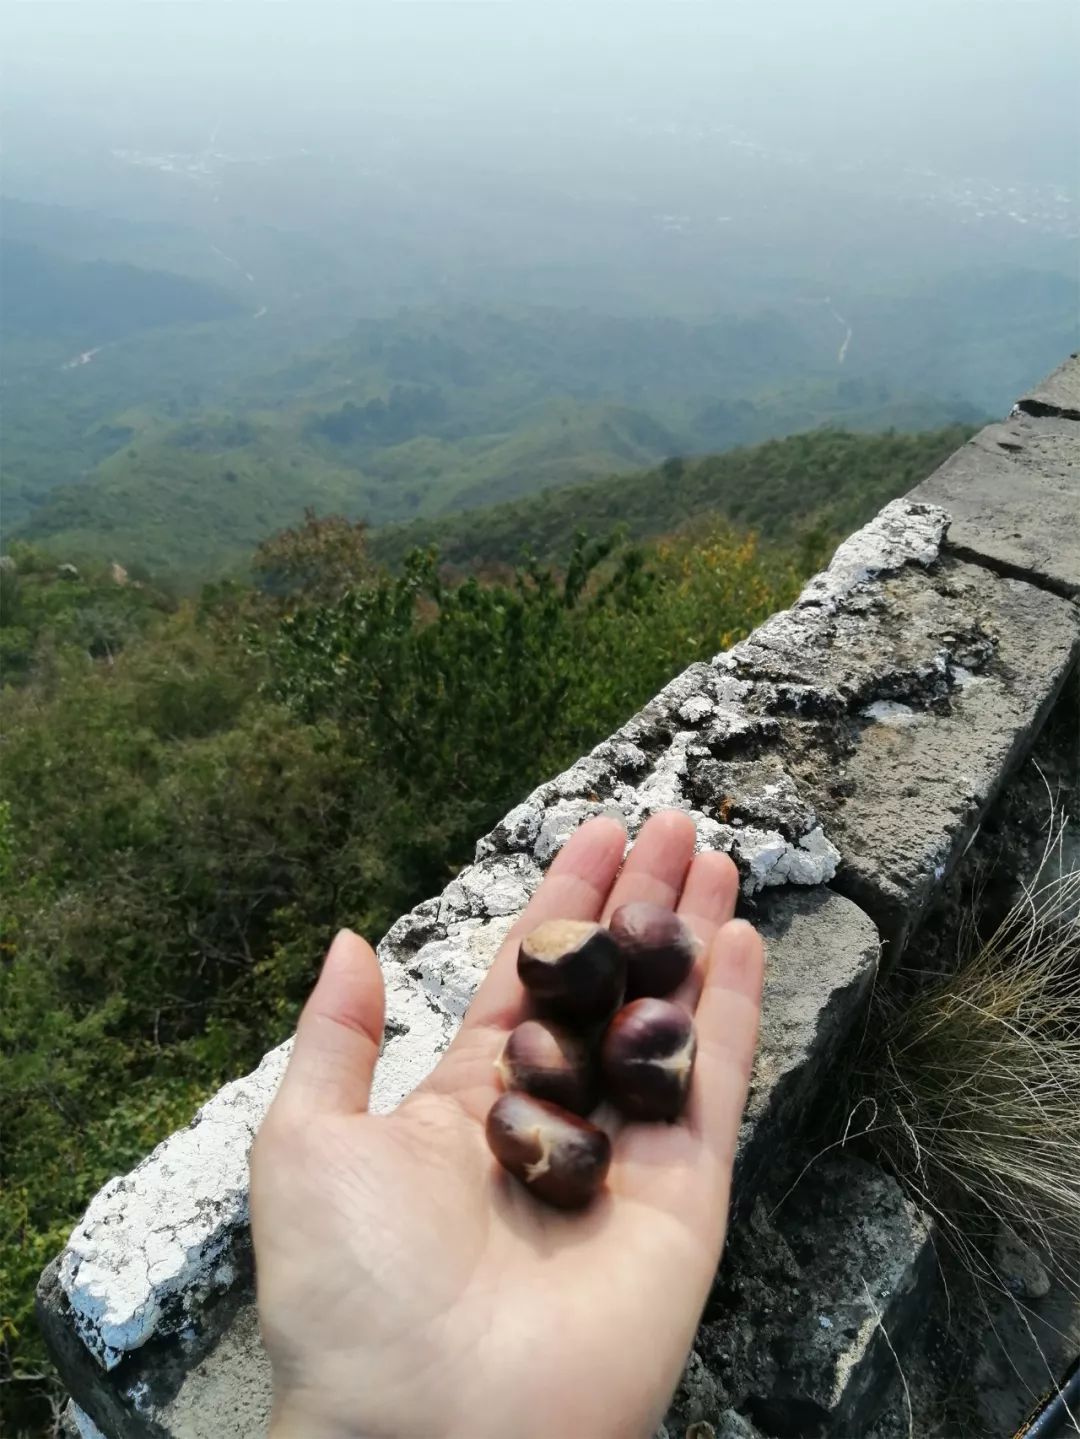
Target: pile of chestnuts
601	1030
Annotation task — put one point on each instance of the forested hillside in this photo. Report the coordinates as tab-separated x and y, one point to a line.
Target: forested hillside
161	451
174	420
827	481
181	833
48	297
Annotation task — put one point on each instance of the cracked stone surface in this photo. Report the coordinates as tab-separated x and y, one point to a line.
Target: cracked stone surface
901	702
809	1298
670	756
855	738
1014	489
822	954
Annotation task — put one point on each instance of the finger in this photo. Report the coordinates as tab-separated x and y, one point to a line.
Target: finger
656	867
575	887
338	1036
708	901
685	1169
727	1019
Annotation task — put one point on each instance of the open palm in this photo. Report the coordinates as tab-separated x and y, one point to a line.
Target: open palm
408	1288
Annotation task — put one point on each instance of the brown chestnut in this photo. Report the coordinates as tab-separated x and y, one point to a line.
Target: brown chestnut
550	1063
647	1059
658	946
559	1157
573	970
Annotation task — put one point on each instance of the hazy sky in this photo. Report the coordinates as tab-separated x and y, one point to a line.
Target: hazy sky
981	85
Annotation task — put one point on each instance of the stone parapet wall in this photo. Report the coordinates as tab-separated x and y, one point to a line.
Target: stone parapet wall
844	755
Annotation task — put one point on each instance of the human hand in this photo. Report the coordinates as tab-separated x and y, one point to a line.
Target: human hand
409	1288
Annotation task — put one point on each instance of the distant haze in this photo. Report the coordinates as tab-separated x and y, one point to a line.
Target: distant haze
986	86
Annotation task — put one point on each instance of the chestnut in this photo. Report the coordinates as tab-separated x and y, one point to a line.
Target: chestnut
559	1157
573	970
550	1063
658	946
647	1059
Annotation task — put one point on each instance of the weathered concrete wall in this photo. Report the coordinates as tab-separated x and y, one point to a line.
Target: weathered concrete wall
813	1290
1012	490
844	754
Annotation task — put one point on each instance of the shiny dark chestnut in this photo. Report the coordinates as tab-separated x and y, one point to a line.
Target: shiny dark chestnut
573	970
549	1062
558	1157
658	946
647	1059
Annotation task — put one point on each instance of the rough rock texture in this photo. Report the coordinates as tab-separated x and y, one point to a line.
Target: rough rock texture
730	1424
188	1388
809	1299
902	704
877	717
755	811
1014	489
1018	1266
1010	849
982	1362
822	959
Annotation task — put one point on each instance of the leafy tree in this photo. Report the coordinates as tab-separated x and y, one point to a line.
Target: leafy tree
315	560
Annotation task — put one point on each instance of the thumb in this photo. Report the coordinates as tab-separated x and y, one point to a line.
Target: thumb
338	1036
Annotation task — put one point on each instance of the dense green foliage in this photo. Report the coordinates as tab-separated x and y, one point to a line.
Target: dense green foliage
196	795
829	478
46	610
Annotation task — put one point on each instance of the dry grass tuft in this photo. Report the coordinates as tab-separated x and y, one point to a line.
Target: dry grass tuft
971	1086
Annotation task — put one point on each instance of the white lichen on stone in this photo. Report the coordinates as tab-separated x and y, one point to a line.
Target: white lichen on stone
559	823
903	533
891	712
430	985
498	885
139	1394
451	969
152	1239
774	860
695	709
